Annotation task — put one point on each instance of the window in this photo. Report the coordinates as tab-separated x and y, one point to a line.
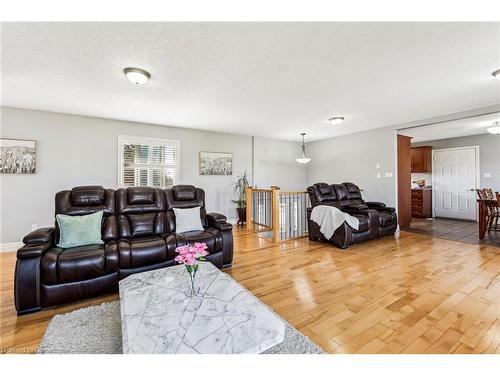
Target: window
147	162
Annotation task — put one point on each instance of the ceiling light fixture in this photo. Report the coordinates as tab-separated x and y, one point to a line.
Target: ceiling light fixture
495	129
336	120
136	75
304	159
496	74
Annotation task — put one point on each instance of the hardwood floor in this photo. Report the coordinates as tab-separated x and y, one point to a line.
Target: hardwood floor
458	230
413	294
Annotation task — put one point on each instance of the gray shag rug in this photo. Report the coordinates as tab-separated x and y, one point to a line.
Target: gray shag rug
97	330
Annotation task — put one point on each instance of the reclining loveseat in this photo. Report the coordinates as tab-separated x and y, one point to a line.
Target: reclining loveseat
375	218
139	234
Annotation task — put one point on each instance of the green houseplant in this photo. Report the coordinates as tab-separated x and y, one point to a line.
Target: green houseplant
241	183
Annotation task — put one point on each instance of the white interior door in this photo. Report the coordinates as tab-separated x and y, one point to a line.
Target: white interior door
454	174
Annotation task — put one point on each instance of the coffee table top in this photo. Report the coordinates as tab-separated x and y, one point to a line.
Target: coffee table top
159	315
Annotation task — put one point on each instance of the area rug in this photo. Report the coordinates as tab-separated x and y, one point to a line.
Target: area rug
97	330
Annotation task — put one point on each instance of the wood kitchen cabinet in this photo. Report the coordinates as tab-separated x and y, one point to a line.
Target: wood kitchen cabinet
421	159
421	203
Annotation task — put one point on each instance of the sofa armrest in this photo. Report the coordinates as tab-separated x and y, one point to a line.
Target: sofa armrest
355	207
33	250
36	243
356	211
375	204
40	236
218	221
388	209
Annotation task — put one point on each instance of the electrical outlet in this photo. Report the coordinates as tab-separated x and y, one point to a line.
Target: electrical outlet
379	175
34	227
487	175
377	166
388	174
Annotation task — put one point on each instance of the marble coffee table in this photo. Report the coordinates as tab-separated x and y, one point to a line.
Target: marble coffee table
159	315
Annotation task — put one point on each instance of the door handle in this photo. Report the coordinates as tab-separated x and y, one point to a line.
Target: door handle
472	189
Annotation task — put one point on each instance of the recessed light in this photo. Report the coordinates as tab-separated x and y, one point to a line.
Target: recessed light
136	75
336	120
496	74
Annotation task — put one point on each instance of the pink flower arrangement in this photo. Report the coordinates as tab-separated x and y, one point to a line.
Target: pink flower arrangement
189	255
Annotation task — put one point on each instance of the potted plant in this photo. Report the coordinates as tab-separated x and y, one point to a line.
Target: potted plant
240	185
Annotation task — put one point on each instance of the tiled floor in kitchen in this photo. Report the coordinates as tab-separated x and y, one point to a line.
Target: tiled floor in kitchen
458	230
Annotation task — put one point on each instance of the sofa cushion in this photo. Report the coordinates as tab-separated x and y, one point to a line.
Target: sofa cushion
364	223
137	252
88	196
184	192
325	189
342	192
140	195
79	263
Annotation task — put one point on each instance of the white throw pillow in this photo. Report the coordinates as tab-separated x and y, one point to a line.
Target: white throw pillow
187	219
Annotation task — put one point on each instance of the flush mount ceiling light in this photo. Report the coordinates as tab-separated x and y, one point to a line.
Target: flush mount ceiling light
496	74
136	75
336	120
495	129
304	159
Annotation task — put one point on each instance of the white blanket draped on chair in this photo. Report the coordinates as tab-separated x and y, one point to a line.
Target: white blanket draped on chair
330	218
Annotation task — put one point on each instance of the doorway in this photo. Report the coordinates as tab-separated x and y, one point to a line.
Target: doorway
455	177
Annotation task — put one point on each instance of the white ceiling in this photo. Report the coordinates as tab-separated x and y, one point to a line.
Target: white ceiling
452	129
266	79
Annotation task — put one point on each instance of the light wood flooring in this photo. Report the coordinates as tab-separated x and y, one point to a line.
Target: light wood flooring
413	294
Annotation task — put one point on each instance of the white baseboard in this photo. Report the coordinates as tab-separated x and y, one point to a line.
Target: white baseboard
11	246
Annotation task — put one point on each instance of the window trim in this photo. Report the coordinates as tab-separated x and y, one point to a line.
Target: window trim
123	139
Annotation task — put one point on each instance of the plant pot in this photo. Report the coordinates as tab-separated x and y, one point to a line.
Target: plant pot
242	215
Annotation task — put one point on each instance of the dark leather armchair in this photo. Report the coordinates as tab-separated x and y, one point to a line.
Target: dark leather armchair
374	218
138	231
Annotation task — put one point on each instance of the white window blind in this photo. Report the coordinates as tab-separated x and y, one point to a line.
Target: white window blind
148	162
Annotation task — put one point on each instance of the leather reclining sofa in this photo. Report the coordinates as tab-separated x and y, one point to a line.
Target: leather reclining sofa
138	231
375	219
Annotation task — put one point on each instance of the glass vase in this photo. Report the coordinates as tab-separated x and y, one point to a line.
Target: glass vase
191	270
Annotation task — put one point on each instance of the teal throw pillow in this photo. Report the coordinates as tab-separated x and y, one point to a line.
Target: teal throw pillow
79	230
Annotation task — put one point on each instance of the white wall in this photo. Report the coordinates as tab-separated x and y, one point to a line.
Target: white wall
353	158
281	156
77	150
489	154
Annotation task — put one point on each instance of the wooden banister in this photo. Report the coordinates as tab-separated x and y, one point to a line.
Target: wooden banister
279	215
248	199
276	213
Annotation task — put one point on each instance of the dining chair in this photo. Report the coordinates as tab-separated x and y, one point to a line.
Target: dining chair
493	209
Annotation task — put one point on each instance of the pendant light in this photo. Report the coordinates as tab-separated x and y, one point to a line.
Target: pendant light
304	159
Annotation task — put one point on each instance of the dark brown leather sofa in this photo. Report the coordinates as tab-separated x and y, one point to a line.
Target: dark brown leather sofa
375	219
138	230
